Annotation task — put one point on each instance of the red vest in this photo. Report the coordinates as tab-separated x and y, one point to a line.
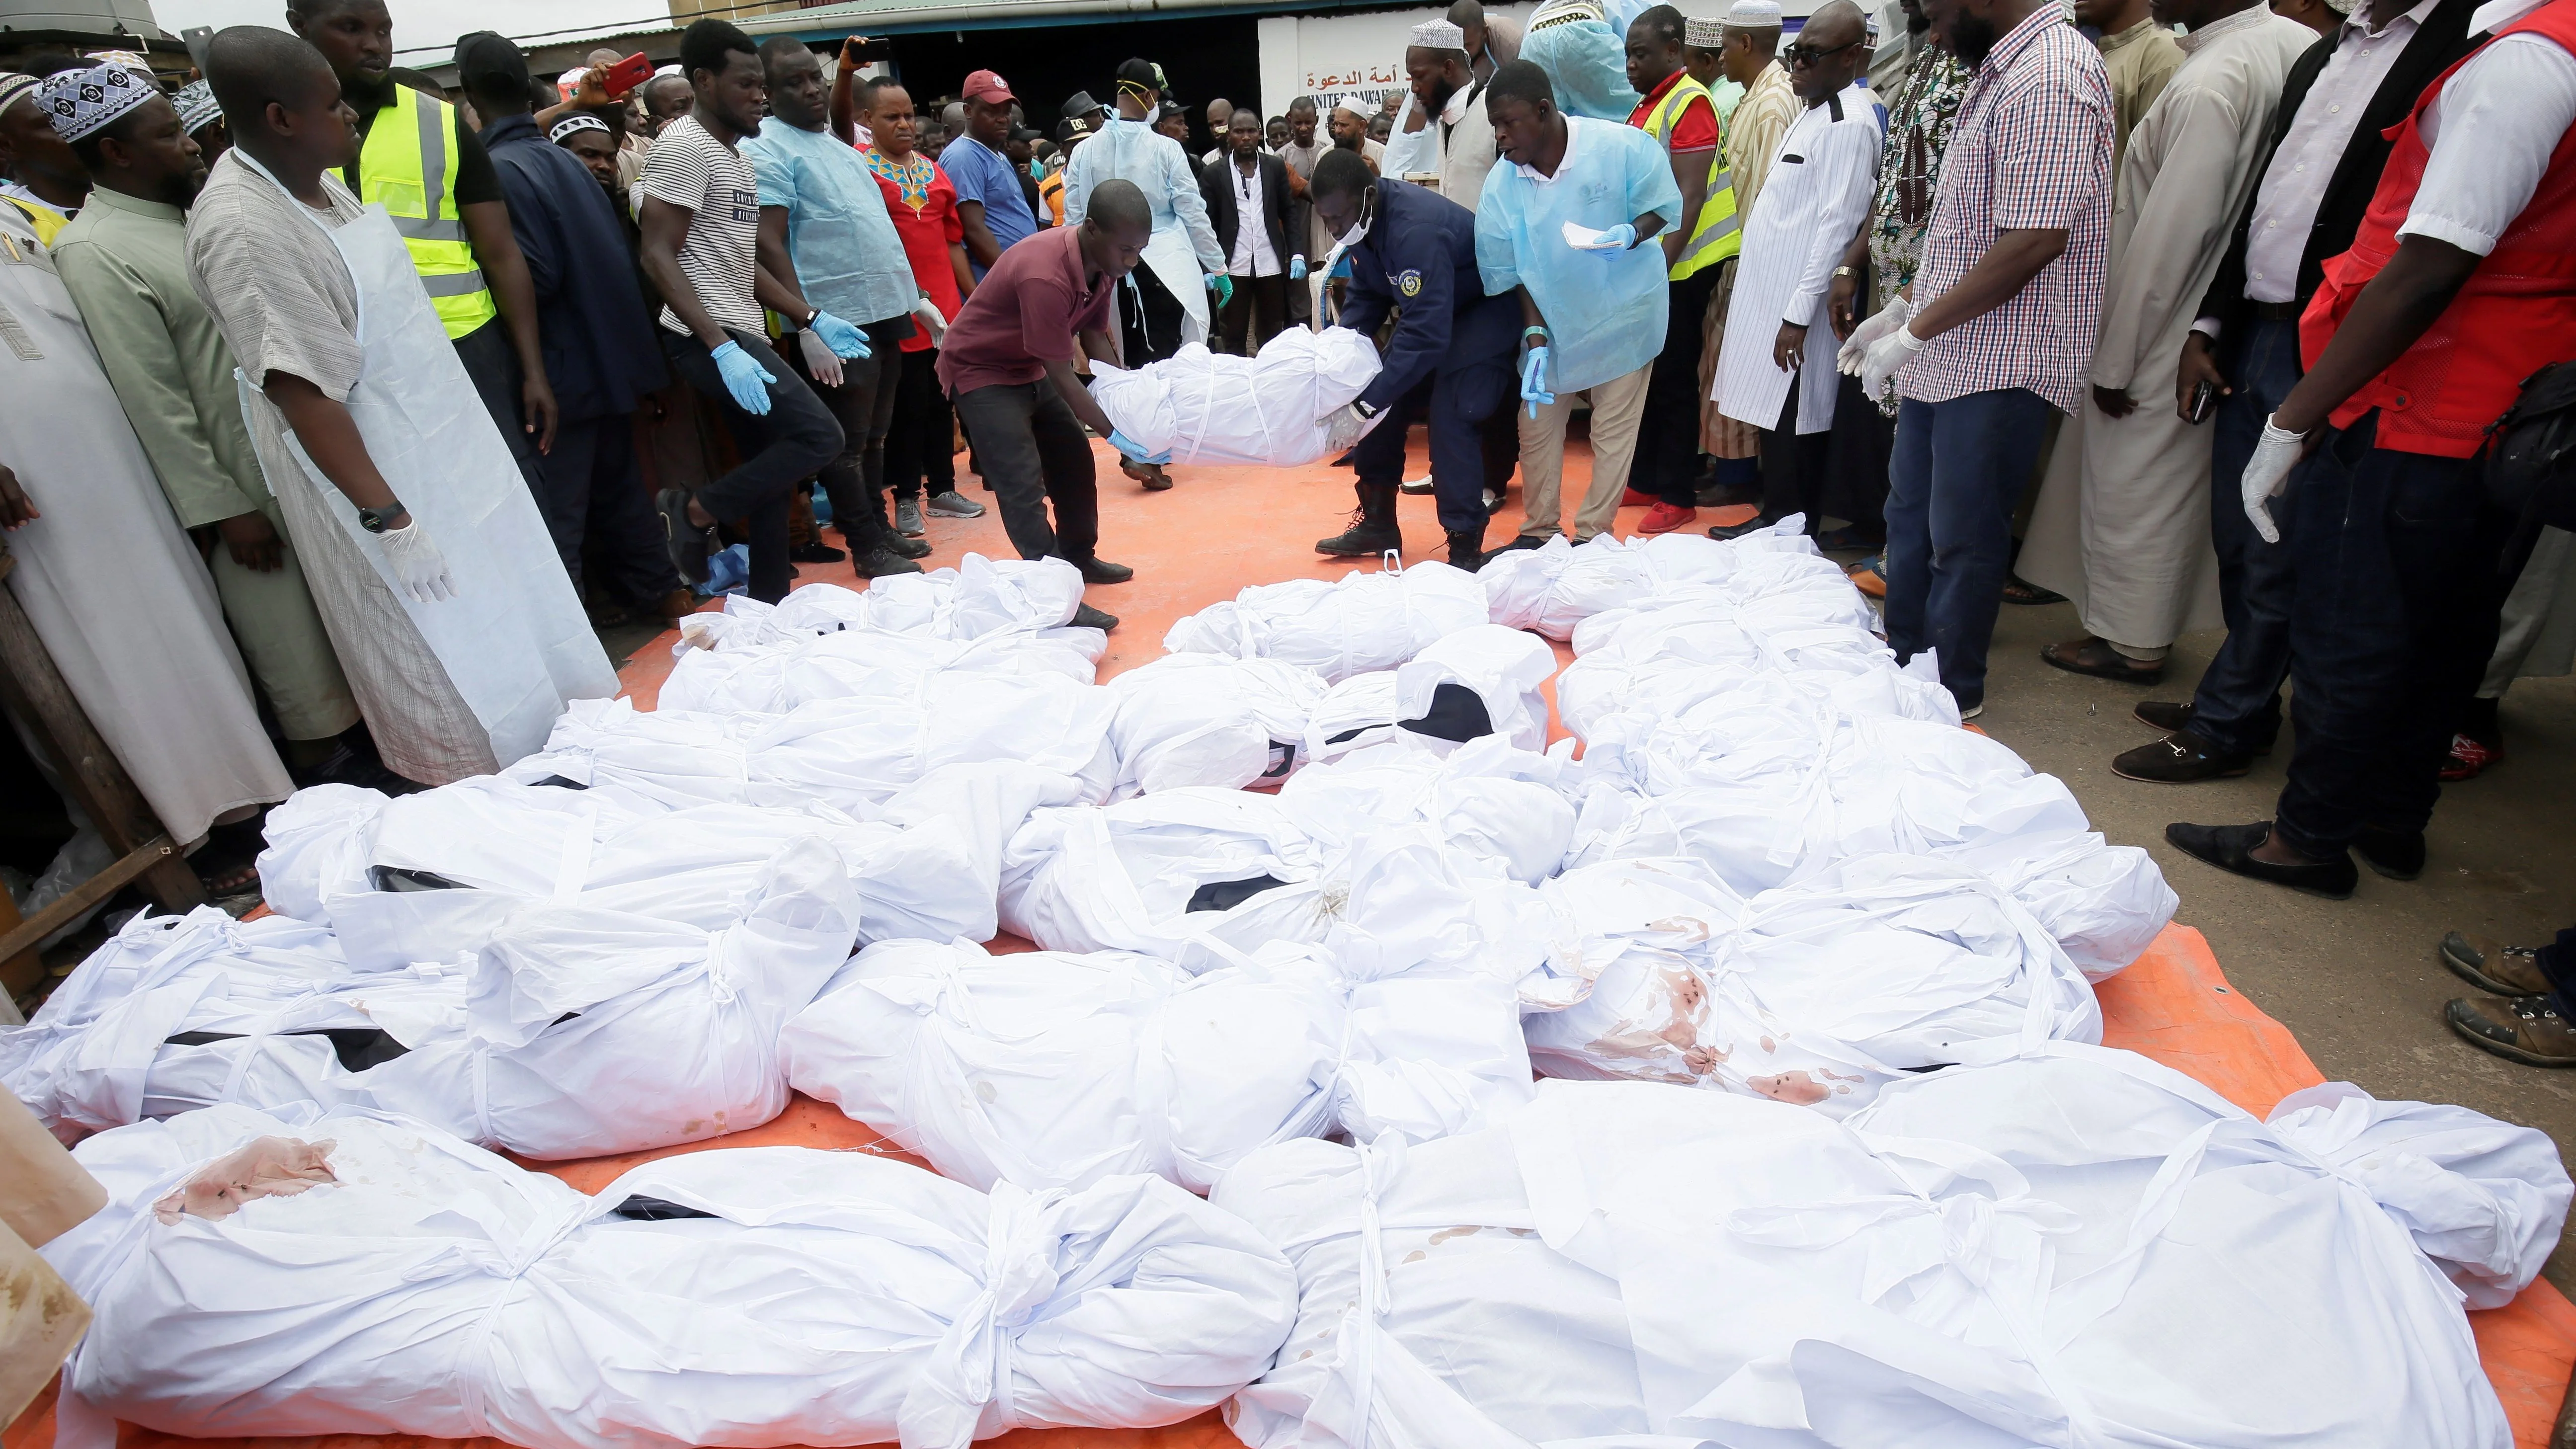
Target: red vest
2516	313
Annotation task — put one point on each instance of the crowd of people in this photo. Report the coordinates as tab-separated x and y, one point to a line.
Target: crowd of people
1922	276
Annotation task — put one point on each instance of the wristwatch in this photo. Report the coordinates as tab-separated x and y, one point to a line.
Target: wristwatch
377	520
1846	271
1363	409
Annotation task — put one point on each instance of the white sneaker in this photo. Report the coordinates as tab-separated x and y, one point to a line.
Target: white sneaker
1971	712
1415	486
953	504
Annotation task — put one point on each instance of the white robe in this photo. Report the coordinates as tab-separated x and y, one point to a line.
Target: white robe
2122	525
1813	199
116	591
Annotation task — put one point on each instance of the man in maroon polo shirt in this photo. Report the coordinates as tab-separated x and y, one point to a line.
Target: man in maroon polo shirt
1008	363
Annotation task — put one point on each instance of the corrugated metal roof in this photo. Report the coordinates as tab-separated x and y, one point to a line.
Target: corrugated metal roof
897	17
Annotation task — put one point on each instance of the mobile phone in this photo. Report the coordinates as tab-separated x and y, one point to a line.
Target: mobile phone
859	50
627	74
2204	396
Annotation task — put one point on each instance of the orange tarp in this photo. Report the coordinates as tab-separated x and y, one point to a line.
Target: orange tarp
1224	528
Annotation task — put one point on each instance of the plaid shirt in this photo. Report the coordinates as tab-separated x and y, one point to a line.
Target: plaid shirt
2031	150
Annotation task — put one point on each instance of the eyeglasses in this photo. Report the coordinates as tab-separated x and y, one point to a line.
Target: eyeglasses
1801	53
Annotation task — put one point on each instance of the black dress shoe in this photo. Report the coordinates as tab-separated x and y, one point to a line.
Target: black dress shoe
2163	714
2180	758
2231	847
1087	617
1756	524
816	552
1098	570
2396	854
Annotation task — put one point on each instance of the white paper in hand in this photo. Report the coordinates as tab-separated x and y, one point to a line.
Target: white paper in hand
1585	239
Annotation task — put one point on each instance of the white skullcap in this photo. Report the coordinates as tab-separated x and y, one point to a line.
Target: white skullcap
1438	35
575	124
1755	15
1703	33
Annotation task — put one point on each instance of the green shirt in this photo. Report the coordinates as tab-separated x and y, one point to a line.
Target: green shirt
125	262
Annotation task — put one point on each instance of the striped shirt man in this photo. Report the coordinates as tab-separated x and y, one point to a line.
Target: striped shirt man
719	186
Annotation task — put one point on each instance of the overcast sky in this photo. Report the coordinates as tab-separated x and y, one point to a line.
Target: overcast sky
425	26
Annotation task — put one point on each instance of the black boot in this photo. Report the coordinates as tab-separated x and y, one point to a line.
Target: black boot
1372	529
1467	550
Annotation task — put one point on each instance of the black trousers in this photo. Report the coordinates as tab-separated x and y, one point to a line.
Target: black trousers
2390	631
1149	320
1667	458
493	364
1793	463
1255	313
921	445
780	450
1035	453
864	406
592	496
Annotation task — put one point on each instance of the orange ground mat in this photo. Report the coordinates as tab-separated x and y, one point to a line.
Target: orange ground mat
1224	528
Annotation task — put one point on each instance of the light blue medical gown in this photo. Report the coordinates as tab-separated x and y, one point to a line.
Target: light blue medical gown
1604	310
1133	151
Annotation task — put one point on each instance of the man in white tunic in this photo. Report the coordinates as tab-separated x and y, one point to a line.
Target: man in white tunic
1817	190
115	590
2122	524
460	640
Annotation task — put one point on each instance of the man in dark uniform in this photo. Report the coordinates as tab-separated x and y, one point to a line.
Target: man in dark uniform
1415	251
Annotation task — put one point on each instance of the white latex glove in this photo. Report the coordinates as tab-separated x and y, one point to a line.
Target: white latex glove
420	570
821	363
1879	364
926	313
1343	426
1877	325
2267	473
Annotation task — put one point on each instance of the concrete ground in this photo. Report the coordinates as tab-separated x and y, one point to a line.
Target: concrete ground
2357	980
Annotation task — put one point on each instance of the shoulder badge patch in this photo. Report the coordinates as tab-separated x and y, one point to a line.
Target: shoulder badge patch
1409	282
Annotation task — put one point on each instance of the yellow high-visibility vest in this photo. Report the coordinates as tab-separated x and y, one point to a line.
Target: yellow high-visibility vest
1718	233
409	165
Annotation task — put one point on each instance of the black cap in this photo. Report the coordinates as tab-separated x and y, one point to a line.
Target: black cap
490	62
1072	129
1027	133
1142	73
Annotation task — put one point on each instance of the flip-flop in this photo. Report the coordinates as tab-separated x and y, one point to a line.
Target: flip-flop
1870	575
2100	660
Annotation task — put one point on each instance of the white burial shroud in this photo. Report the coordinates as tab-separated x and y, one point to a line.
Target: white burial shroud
1268	409
1050	1069
562	1031
737	1297
2076	1247
1819	993
1352	625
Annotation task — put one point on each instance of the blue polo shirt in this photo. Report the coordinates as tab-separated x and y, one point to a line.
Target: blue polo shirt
849	262
981	174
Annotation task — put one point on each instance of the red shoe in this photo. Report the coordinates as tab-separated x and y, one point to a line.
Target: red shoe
1634	499
1664	518
2469	758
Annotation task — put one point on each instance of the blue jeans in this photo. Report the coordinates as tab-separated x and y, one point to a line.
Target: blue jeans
2238	705
2395	617
1957	471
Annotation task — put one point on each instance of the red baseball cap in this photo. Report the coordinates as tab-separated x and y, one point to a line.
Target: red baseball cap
987	87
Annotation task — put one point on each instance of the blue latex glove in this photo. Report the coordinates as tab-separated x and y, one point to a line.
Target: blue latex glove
747	380
1136	450
1223	286
1534	367
1296	269
848	343
1617	239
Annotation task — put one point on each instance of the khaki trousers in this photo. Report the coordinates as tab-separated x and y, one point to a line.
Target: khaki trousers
1617	405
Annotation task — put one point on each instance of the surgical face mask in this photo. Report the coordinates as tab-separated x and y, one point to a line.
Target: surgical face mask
1358	233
